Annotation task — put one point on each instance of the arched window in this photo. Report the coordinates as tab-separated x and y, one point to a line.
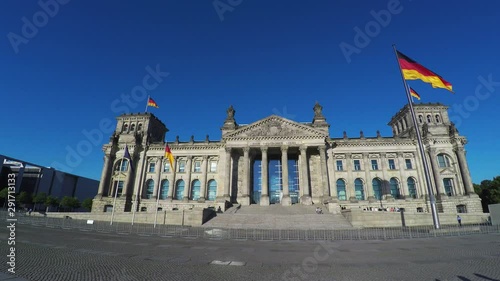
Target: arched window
405	125
139	127
420	119
429	118
341	194
164	190
150	184
179	190
377	188
195	190
125	128
358	188
412	190
443	160
132	127
394	187
438	119
212	190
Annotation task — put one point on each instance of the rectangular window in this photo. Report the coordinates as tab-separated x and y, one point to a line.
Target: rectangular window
197	166
408	164
339	165
448	186
119	188
213	166
182	166
357	165
166	167
374	165
392	165
152	167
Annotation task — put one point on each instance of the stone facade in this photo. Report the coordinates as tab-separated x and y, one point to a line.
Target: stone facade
250	162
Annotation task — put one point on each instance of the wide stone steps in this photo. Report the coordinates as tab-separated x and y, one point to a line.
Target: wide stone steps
277	217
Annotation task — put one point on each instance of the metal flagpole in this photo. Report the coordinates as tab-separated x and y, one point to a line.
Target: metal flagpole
432	198
116	193
158	197
147	102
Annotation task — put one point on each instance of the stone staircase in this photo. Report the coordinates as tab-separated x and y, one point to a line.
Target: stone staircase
277	217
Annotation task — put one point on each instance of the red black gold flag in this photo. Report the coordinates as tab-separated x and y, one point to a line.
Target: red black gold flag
412	70
413	93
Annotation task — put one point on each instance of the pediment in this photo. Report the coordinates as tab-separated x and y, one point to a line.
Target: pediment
275	127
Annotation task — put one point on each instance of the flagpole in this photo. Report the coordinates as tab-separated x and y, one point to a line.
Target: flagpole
147	102
432	199
116	193
158	196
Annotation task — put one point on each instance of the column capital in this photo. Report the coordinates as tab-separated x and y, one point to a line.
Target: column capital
383	154
348	155
400	154
189	157
205	157
264	148
367	155
246	149
228	149
303	148
459	149
284	148
321	148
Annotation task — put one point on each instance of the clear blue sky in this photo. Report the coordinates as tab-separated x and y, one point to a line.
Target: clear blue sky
263	57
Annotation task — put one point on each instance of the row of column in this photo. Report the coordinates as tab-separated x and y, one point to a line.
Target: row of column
264	200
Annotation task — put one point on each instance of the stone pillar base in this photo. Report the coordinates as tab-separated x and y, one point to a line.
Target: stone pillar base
372	199
244	200
201	200
286	201
264	200
306	200
185	199
334	199
325	199
353	200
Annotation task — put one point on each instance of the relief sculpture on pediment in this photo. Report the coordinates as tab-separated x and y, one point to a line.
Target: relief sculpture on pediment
273	128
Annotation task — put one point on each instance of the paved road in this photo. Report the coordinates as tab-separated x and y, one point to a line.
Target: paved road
55	254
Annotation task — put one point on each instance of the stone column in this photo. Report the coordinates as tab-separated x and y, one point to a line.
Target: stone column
464	170
306	196
104	175
245	200
435	171
187	183
286	200
324	175
403	184
227	176
367	184
386	187
157	186
203	188
264	195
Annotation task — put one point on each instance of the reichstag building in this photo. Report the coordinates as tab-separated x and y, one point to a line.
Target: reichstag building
280	161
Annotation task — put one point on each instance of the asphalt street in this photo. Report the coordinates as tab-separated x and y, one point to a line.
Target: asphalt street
55	254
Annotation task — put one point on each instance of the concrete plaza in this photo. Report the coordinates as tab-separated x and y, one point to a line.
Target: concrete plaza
55	254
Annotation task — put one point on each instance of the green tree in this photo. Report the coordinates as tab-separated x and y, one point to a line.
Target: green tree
489	192
51	201
40	198
69	203
87	204
24	198
4	193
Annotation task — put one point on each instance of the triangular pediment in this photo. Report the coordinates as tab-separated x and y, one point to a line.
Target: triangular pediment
275	127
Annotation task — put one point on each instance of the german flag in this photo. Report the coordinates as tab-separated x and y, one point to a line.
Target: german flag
152	103
412	70
169	156
413	93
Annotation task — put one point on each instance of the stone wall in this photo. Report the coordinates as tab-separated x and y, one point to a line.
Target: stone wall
359	218
180	217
